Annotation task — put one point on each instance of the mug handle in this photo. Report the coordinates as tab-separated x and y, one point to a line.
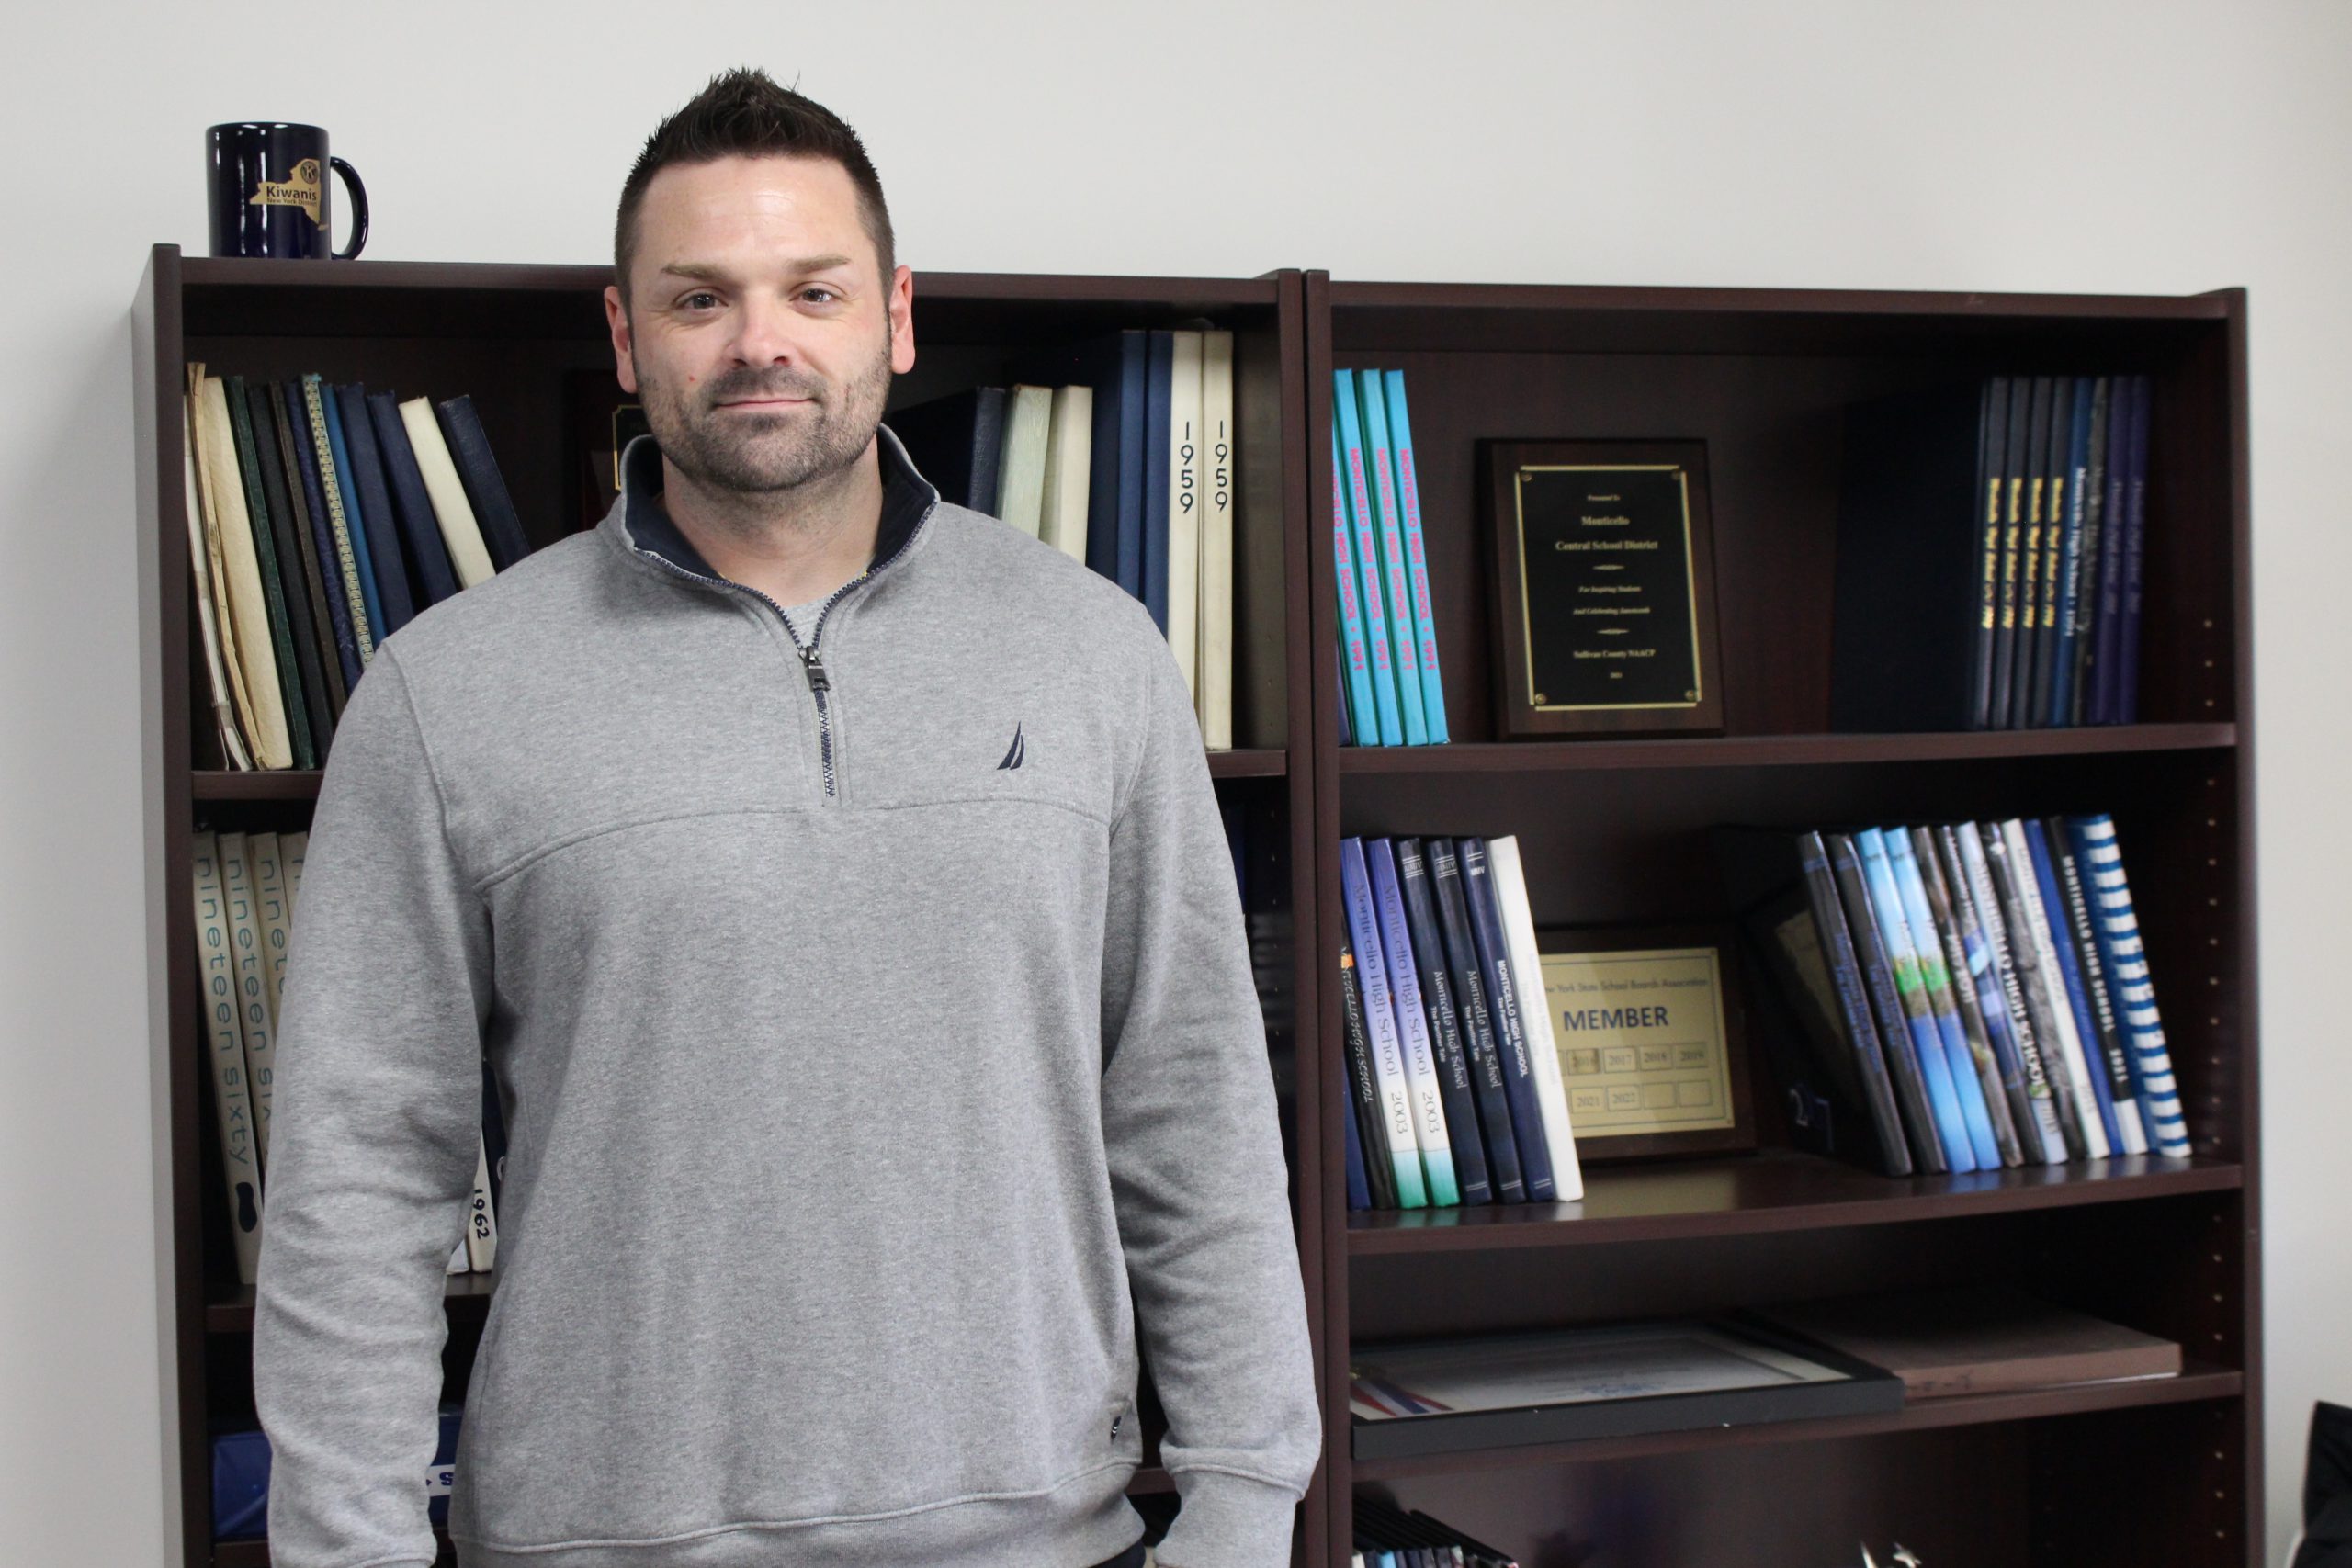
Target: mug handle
358	194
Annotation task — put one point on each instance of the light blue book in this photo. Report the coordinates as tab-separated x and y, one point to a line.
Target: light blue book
1351	479
1417	566
1401	1143
1935	985
1404	638
2126	962
1903	957
1355	664
350	492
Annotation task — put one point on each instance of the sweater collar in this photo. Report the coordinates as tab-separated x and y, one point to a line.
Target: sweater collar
907	499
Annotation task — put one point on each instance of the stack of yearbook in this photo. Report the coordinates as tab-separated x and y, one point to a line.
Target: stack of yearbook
1452	1077
320	519
1990	552
1121	452
1968	996
246	885
1389	690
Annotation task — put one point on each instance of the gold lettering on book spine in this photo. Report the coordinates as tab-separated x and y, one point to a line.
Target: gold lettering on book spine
1992	551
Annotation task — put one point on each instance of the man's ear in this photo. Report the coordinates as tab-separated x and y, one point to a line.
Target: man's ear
624	354
902	320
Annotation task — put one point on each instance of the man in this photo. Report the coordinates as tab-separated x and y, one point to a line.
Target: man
833	879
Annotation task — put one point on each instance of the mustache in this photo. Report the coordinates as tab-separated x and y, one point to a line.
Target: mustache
744	384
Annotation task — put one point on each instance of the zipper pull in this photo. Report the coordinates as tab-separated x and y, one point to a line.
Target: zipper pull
817	680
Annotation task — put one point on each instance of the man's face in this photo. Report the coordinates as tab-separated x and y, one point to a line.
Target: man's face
761	336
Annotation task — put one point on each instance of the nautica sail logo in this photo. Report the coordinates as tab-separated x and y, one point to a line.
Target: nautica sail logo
1014	753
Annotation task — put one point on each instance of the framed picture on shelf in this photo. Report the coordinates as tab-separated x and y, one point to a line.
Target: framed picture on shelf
1602	588
1652	1043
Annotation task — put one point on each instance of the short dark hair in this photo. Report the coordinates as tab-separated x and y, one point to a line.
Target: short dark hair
744	114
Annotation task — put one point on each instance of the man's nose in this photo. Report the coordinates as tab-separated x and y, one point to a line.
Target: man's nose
766	332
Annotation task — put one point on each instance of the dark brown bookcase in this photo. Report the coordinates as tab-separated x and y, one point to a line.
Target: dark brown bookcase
512	336
1611	831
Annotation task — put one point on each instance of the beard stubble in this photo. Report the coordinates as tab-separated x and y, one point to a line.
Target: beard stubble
764	454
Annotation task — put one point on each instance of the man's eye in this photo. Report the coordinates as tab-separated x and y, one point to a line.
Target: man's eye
823	295
699	300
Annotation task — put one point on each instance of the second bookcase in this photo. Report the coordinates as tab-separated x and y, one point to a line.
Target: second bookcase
1613	832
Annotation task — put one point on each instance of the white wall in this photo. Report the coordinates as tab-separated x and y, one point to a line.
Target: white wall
2072	146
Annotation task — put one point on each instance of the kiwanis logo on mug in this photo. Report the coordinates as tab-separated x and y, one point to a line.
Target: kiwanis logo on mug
301	191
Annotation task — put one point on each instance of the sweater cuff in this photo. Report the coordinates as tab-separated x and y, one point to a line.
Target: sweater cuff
1229	1521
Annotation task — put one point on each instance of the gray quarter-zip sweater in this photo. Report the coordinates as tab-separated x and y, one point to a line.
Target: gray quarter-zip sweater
870	1022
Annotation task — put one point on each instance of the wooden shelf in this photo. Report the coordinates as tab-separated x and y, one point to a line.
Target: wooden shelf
2199	1381
1770	751
1773	1191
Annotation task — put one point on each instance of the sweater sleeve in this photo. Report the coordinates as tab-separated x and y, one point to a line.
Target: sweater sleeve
374	1136
1195	1154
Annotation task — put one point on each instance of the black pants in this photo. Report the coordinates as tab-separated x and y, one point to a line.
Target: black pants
1131	1558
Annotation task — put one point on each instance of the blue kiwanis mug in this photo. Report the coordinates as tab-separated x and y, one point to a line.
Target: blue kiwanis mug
270	195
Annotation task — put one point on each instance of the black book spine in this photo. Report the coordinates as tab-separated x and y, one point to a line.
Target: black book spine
2033	985
296	685
1445	1034
2086	598
2037	489
384	554
420	530
2014	458
2045	490
1853	1003
1364	1092
1992	430
2058	521
502	530
988	447
2135	529
1478	1023
494	1132
1510	1030
1894	1026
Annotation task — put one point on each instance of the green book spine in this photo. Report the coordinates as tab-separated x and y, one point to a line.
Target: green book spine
281	638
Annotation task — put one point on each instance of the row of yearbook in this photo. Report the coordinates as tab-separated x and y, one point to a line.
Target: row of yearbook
1388	1537
246	885
1975	994
1390	694
1123	452
1991	550
1453	1076
320	519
